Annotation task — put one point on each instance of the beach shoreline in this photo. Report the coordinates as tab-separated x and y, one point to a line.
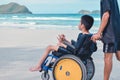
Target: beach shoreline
21	48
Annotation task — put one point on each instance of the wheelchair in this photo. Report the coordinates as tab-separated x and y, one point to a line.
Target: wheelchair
68	67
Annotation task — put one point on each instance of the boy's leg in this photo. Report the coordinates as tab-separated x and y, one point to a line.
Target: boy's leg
47	51
107	65
45	54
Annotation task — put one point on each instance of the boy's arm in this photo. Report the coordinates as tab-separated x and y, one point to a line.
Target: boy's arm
80	42
77	44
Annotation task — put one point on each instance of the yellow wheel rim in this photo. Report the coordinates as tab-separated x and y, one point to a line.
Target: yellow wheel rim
68	69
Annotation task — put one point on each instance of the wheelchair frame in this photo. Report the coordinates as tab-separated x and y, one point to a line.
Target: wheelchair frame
85	68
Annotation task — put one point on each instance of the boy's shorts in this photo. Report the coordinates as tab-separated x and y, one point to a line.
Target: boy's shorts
109	48
61	51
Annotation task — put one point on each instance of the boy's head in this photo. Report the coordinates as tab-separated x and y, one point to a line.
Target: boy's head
87	21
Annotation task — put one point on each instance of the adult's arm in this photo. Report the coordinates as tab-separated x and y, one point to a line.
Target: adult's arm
104	22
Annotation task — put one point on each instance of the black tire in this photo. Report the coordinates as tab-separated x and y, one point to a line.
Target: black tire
45	76
90	67
77	61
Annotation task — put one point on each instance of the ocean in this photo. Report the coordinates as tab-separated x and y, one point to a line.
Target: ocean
43	21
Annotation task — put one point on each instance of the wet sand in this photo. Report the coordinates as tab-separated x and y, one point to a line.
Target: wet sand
21	48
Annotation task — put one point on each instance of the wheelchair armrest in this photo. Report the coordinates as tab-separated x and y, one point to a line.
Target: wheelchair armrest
69	45
73	42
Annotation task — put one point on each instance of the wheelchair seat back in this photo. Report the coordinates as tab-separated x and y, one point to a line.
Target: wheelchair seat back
87	48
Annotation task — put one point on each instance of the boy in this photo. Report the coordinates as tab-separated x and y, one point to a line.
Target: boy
84	26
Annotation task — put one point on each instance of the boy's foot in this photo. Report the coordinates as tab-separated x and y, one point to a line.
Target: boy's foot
35	69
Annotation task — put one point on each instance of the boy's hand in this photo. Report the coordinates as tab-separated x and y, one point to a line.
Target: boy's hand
61	38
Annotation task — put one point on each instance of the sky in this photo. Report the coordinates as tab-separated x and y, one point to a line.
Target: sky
57	6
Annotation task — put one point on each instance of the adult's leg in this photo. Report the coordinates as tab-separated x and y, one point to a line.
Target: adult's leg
45	54
107	65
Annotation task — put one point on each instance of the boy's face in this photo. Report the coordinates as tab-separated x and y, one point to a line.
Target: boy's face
80	27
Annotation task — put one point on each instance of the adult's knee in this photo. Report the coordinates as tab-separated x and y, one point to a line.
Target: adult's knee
108	59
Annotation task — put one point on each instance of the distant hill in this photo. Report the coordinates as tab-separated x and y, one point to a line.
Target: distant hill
14	8
89	12
84	12
95	12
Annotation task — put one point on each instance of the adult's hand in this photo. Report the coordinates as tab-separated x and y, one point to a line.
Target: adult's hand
96	36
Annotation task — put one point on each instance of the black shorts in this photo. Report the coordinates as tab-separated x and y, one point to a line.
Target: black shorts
109	48
118	45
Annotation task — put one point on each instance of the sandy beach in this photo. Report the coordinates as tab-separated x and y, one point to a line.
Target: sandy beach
21	48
